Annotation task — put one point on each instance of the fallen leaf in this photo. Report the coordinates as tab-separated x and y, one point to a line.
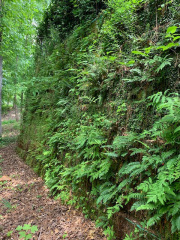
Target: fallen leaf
5	178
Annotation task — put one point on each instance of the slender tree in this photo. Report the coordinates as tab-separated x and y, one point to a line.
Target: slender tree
1	60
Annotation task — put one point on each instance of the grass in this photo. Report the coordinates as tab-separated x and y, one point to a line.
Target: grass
7	140
8	122
10	132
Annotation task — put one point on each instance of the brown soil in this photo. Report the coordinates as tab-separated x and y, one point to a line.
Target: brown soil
24	199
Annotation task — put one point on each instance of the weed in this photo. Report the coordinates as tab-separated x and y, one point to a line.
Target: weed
7	140
8	122
9	234
129	237
7	204
19	188
26	231
39	196
3	183
65	235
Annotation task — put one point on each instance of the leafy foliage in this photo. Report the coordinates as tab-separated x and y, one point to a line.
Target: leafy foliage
102	124
27	232
19	26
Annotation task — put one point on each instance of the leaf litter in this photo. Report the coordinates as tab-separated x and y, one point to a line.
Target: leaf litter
24	199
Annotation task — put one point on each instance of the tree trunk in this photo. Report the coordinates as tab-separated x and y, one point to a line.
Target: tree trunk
22	99
0	96
15	107
15	94
1	60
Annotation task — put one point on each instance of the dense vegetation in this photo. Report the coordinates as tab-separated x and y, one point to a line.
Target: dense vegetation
18	27
102	113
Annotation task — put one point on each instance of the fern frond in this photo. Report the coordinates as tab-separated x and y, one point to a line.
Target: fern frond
123	184
148	206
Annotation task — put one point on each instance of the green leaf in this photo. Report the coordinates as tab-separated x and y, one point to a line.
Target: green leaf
112	58
26	227
131	62
136	70
139	53
171	29
170	45
19	228
168	118
147	50
46	153
175	38
29	236
9	233
165	63
177	129
178	223
34	229
6	203
22	234
111	154
175	224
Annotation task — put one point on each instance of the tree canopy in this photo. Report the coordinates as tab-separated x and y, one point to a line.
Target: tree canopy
19	23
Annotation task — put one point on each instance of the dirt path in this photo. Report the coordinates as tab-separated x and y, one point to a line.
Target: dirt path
24	199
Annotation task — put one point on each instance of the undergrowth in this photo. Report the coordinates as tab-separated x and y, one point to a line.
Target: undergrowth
102	115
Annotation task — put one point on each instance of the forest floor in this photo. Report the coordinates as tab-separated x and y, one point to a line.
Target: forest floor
24	199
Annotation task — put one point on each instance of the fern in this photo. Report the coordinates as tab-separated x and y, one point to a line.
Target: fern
153	220
131	167
123	184
164	64
137	196
175	223
106	192
137	151
140	205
